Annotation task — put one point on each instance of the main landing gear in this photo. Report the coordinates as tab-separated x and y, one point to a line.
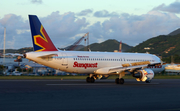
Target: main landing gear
90	79
148	81
119	81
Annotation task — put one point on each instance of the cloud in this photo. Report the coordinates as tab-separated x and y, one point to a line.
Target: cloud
173	7
16	31
85	12
66	28
105	13
36	1
133	29
60	27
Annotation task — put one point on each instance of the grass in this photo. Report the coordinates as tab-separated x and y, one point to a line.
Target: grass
81	77
167	77
43	77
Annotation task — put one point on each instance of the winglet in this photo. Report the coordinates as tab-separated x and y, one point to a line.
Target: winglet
41	40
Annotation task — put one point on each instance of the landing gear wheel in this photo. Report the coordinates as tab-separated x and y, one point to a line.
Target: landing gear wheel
121	81
117	80
148	81
90	80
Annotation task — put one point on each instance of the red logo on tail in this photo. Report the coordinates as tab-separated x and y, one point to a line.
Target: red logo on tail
44	41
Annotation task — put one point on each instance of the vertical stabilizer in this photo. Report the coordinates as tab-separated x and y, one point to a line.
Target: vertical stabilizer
40	39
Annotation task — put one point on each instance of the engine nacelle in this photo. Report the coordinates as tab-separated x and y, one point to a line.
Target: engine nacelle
144	75
101	76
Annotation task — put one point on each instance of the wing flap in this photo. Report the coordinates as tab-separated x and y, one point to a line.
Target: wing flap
130	67
118	70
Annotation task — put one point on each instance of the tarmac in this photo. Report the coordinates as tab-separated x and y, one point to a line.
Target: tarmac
77	95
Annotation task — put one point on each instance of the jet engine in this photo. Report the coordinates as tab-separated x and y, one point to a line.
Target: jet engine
101	76
144	75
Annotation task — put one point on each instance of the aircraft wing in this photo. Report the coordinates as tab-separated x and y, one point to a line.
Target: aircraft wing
124	68
117	70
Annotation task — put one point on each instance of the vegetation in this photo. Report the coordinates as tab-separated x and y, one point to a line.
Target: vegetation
21	50
29	70
174	59
1	67
163	45
108	46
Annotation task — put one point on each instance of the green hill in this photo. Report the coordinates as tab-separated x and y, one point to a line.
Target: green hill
108	46
163	45
175	32
21	50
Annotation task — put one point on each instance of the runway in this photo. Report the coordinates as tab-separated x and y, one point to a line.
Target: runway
77	95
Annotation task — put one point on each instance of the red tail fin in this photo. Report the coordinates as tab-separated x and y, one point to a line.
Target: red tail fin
41	40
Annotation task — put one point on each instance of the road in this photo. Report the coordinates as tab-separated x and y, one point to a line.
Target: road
77	95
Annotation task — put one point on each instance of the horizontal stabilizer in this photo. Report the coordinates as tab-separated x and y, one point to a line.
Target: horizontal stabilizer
47	57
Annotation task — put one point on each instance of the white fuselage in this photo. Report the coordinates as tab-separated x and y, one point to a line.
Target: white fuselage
88	62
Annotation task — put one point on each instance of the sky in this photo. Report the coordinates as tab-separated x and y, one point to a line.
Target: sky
129	21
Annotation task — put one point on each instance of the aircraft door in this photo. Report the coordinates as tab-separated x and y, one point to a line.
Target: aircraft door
64	60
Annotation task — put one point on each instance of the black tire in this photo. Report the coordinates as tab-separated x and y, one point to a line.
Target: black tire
148	81
92	79
121	81
88	79
117	80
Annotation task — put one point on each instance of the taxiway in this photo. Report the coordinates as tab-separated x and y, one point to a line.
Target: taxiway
76	95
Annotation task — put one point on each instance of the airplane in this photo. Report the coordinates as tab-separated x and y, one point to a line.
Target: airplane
98	65
158	68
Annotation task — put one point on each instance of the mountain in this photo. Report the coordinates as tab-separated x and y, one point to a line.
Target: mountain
109	46
21	50
78	47
163	45
176	32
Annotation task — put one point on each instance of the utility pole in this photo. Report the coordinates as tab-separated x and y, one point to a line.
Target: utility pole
172	59
88	41
85	45
120	47
4	51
